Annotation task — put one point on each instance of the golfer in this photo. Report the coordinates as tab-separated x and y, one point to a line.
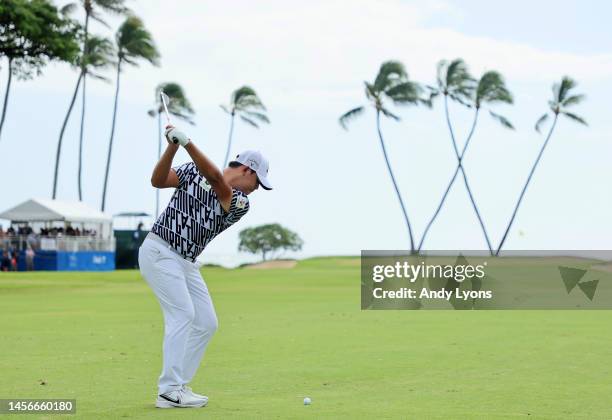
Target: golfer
205	203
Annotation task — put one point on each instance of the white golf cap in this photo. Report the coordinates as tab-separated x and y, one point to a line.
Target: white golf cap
255	160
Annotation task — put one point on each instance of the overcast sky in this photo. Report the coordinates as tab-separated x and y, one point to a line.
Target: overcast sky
308	61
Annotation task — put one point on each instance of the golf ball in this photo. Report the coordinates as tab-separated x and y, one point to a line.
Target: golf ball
307	401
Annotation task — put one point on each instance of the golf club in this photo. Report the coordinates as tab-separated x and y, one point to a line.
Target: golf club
165	99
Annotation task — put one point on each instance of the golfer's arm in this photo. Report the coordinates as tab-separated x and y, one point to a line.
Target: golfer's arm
163	174
212	174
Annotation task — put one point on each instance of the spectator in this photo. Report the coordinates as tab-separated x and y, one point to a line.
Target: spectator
10	231
32	240
14	260
30	259
5	263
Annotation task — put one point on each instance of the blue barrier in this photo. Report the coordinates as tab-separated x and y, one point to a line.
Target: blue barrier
70	261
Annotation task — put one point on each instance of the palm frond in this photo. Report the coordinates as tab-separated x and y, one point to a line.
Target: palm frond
573	100
567	83
389	114
540	121
112	6
68	9
390	73
405	92
224	108
441	69
502	120
433	93
491	88
177	99
250	102
95	16
459	99
349	115
99	54
185	117
98	76
245	98
574	117
243	91
457	73
453	78
370	92
258	116
249	121
152	112
134	42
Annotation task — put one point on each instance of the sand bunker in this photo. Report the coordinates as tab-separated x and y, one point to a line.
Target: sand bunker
274	264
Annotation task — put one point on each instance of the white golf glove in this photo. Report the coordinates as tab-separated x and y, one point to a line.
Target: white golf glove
175	136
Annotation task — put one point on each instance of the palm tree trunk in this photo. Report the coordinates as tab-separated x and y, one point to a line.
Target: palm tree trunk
452	181
79	176
158	157
465	180
399	197
518	203
61	136
110	143
229	142
6	94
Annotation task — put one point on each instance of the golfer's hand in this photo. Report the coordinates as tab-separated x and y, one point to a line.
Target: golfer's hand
175	136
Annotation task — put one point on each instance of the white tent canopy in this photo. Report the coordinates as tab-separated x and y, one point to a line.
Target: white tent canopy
46	210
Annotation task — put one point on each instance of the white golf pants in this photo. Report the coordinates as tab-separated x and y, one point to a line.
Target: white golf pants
189	315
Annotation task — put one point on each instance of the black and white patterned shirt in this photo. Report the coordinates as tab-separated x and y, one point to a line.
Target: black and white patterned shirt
194	216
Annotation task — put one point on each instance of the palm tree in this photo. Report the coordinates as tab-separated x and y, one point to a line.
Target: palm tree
178	106
99	54
133	43
245	103
562	99
61	135
90	6
489	89
392	83
455	82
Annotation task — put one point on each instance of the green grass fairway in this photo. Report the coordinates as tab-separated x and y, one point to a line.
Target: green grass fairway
289	333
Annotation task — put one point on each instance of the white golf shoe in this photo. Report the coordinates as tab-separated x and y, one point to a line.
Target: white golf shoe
190	391
180	398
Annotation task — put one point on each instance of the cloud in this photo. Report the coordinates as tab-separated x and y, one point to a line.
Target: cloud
303	54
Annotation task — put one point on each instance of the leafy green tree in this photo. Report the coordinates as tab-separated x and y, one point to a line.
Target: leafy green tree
268	238
562	99
454	79
178	106
246	104
391	84
133	43
32	32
